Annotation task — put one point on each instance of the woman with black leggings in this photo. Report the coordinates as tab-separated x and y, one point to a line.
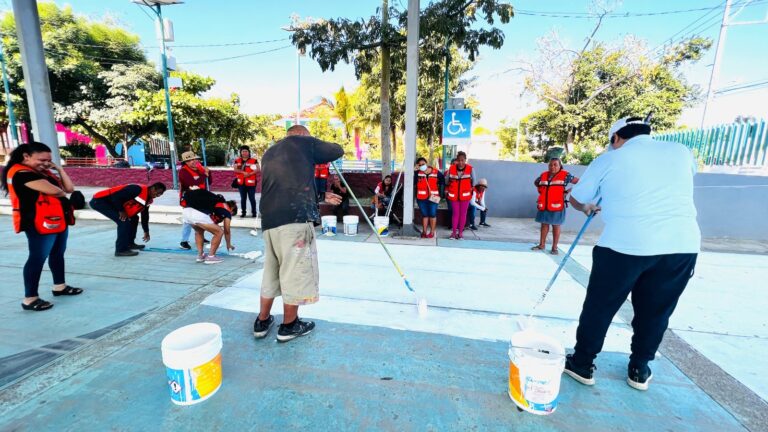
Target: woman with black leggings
42	211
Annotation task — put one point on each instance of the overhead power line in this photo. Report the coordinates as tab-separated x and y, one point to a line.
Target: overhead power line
234	57
588	15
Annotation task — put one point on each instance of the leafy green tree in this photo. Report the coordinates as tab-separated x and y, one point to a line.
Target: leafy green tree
585	91
377	41
77	51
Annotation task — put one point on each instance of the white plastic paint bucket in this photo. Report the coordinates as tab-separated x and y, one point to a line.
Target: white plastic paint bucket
192	358
381	223
536	364
350	225
329	225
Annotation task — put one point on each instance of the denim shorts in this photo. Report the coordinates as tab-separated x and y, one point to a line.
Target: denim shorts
427	208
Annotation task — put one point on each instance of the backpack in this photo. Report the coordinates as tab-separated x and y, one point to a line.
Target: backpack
202	200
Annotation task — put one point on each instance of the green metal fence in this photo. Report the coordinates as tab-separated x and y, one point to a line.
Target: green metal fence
735	144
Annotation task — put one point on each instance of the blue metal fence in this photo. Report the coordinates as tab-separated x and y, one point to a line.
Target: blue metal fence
735	144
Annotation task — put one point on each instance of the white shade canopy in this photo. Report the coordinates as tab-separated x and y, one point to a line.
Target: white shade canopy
157	2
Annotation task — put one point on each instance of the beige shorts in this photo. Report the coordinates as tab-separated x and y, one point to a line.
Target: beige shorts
290	264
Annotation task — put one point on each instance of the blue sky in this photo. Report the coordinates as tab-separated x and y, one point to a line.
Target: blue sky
267	82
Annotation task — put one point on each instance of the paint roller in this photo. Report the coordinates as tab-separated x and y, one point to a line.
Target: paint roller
421	302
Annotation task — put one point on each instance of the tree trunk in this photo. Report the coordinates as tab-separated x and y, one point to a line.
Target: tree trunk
569	141
431	147
393	133
99	137
385	111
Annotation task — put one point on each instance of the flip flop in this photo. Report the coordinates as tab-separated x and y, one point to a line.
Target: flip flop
537	248
67	291
554	252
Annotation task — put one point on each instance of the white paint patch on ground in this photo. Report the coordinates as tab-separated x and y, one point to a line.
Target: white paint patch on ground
472	293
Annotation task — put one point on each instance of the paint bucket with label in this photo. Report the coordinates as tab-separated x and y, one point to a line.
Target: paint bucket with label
350	225
536	364
382	225
329	225
192	358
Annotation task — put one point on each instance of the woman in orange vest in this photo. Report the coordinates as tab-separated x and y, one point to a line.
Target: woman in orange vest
192	175
429	184
204	211
246	169
42	211
382	194
551	205
459	181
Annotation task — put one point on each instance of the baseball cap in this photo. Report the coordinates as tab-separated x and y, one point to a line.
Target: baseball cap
621	123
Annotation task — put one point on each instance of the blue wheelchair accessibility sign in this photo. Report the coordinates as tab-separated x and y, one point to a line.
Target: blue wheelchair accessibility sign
457	123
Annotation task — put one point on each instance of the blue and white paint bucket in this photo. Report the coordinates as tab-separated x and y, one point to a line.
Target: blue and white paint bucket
329	225
350	225
192	358
536	363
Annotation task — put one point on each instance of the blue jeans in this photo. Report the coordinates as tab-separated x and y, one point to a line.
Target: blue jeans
125	233
427	208
250	193
471	215
186	231
42	247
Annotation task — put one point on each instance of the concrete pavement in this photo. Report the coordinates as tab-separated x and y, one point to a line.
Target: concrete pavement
93	362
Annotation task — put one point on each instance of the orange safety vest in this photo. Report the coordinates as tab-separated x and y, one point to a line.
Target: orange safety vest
479	195
460	188
216	218
426	184
241	179
133	206
322	171
49	214
552	192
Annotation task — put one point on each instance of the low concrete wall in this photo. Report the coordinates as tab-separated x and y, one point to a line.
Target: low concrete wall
728	205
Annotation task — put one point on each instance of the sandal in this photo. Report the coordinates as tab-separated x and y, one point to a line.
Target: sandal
536	248
554	252
37	305
67	291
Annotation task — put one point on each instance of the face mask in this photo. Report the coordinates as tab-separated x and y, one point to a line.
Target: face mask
422	168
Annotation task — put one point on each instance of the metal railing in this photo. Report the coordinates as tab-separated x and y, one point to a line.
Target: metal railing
93	162
365	165
736	144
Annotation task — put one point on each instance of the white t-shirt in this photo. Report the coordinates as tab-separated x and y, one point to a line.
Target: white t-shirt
647	191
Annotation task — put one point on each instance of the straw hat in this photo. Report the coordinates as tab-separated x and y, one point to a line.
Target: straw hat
188	156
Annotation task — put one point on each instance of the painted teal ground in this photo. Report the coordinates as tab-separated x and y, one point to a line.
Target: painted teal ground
347	377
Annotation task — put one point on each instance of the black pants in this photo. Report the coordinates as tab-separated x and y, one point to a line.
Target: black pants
656	283
250	193
342	209
124	239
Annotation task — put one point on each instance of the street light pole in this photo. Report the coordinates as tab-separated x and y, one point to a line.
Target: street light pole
445	97
9	101
298	86
171	138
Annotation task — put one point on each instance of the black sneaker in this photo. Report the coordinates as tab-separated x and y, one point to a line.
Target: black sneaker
294	330
137	246
473	228
261	328
484	224
582	375
206	241
126	253
639	377
242	214
185	245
